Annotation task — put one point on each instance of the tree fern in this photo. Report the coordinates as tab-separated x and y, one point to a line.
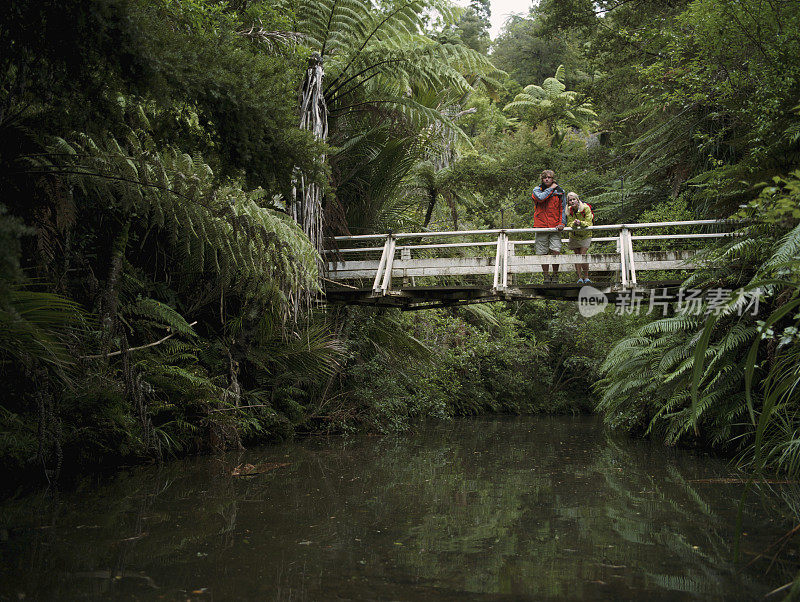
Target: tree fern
788	248
716	358
222	230
374	59
553	104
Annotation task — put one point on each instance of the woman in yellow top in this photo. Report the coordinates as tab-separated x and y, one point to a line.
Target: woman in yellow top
579	217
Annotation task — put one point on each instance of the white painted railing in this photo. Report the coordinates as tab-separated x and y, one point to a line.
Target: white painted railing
625	261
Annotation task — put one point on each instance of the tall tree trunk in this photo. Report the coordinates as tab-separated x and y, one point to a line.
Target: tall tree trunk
307	202
433	194
453	210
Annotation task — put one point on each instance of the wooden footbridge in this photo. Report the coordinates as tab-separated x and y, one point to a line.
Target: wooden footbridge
435	269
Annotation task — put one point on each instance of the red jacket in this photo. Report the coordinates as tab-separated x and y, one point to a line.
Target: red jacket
548	212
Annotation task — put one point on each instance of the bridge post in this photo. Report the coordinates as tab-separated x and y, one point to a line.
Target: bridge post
510	258
501	264
623	264
383	275
625	236
405	254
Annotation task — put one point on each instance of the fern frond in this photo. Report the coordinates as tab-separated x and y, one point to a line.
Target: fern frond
223	230
160	314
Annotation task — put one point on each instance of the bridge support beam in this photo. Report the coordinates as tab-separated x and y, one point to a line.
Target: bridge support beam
501	264
626	249
383	275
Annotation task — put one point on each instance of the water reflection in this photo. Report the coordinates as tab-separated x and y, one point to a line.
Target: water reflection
538	508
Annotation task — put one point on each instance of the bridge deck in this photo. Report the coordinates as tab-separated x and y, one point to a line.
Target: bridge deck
429	273
415	297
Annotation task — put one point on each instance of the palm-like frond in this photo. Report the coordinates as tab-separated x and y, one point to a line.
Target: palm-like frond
310	354
787	249
388	337
372	167
35	325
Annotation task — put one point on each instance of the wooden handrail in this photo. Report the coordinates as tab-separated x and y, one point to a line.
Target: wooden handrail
496	232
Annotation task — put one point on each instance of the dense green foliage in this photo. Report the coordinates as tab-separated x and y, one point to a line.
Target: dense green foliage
145	256
708	137
156	292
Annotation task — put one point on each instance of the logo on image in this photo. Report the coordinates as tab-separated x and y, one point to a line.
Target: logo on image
591	301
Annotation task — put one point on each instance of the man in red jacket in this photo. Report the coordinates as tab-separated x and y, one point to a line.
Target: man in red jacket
548	212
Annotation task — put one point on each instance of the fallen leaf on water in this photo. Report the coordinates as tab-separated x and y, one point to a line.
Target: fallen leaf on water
248	470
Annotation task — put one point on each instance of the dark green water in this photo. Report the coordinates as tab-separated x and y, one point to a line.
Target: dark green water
484	509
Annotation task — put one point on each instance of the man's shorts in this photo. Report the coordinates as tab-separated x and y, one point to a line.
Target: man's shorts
548	241
579	243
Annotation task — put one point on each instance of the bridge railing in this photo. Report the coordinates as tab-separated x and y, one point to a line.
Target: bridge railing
355	259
